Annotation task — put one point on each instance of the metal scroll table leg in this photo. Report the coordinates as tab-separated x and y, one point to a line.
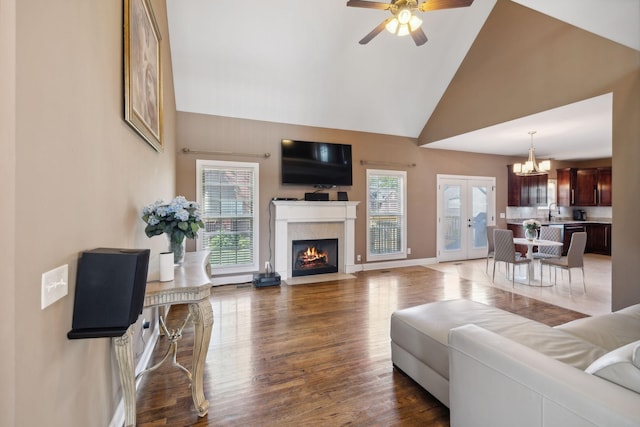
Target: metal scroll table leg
202	315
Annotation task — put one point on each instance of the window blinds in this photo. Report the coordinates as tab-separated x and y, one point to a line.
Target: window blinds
228	212
385	213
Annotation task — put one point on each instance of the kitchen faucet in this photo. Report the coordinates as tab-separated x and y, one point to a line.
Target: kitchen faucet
551	204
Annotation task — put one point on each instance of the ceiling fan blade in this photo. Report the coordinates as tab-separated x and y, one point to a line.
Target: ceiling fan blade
368	4
377	30
429	5
419	37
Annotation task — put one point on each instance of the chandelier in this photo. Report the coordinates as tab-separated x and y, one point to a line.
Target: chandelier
531	167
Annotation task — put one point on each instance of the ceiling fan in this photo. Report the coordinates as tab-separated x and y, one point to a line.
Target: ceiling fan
404	21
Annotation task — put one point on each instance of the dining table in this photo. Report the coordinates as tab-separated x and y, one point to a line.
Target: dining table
531	243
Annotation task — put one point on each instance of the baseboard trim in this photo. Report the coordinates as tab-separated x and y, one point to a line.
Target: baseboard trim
390	264
118	416
231	280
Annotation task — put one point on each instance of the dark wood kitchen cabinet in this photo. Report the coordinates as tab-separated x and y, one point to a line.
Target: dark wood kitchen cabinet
598	239
584	187
563	187
604	186
526	190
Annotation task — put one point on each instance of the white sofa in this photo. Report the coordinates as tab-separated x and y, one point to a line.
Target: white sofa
494	368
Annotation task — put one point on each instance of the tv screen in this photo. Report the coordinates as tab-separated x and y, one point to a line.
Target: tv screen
321	164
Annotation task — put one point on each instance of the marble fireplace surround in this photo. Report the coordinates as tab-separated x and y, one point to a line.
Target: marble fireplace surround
300	220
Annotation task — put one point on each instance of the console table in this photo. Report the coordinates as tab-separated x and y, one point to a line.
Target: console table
191	285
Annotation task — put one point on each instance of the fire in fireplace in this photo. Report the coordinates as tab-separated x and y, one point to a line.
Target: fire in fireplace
317	256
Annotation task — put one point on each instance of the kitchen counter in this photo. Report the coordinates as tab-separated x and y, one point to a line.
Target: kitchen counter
515	221
598	232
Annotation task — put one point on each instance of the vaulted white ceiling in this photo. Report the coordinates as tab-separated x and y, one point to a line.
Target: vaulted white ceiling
300	63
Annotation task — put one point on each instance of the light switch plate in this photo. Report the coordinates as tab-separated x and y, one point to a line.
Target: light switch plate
55	285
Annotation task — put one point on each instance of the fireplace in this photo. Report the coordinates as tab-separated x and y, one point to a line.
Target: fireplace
298	220
317	256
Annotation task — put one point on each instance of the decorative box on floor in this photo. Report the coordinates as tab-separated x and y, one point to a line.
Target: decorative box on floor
261	280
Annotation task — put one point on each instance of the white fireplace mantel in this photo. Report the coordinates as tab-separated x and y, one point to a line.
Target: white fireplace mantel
302	212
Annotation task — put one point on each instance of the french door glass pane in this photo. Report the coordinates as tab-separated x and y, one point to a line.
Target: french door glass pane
479	204
452	217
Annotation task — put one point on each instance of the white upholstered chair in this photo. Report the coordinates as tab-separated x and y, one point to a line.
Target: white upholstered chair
490	245
546	252
549	233
505	251
574	259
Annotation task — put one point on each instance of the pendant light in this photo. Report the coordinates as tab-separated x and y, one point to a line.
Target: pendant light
531	167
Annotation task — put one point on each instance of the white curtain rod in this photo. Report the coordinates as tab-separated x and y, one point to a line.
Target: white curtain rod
226	153
374	163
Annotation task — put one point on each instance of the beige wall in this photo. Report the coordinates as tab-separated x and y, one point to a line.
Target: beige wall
7	212
524	62
210	133
81	177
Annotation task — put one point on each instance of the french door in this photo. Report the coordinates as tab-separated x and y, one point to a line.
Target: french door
466	205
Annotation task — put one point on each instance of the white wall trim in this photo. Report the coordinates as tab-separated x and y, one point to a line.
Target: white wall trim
301	212
231	280
390	264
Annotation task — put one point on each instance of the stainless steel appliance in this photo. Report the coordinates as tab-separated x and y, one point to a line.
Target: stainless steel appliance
579	215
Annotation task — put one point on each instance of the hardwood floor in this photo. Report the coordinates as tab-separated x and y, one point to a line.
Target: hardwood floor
315	354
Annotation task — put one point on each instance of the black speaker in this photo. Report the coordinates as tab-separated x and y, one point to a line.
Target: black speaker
110	289
342	196
316	197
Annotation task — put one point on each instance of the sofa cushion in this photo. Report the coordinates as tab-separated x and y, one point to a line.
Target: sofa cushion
609	331
423	331
620	366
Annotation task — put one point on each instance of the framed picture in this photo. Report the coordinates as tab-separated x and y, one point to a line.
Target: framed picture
142	72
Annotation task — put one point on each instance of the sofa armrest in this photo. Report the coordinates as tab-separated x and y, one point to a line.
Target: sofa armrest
497	382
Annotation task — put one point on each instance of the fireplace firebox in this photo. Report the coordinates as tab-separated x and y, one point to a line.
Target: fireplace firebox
317	256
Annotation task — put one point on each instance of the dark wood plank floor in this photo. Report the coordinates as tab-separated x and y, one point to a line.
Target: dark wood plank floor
314	355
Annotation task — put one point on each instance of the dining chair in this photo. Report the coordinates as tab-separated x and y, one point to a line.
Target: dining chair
574	259
546	252
490	245
553	234
505	251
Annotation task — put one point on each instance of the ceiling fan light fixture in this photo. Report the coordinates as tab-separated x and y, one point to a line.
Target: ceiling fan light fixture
392	26
403	30
404	16
414	23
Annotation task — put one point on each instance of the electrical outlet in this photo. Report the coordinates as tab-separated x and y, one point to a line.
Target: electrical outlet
359	258
55	285
502	215
408	251
145	325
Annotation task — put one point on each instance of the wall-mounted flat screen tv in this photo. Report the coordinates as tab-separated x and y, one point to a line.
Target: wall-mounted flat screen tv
320	164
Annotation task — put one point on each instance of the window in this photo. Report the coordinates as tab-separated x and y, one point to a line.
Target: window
386	215
228	197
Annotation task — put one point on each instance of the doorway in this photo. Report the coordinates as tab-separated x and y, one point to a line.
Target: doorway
466	206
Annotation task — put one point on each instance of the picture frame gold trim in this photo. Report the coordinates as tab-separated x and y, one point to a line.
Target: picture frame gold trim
143	72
